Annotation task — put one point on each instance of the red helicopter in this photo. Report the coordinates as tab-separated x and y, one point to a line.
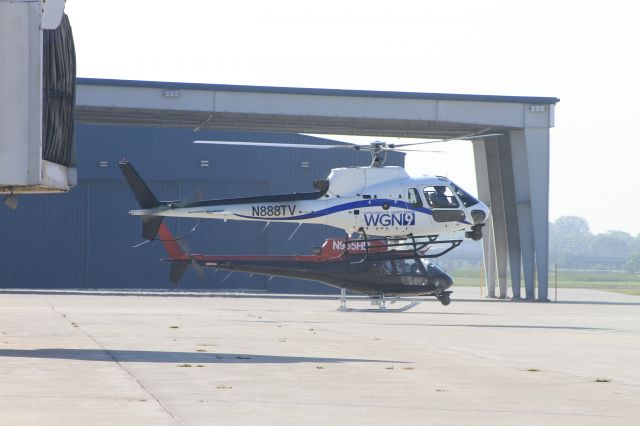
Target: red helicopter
379	268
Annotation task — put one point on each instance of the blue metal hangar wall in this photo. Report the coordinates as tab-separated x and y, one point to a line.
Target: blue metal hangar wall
83	239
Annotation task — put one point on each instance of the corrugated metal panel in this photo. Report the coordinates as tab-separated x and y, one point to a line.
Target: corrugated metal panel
170	154
111	261
43	242
83	239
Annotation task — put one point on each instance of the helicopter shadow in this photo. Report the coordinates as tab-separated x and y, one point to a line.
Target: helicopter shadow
175	357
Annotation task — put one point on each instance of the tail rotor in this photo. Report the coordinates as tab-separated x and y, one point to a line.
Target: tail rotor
194	263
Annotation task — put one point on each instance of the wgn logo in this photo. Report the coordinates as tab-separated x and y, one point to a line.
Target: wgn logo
400	218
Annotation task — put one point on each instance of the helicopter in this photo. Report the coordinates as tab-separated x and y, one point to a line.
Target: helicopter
382	269
377	200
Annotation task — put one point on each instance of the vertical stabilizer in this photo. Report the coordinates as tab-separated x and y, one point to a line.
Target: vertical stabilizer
146	199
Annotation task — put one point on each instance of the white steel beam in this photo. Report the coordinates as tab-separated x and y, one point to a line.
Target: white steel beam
537	147
497	213
510	211
488	245
298	109
523	209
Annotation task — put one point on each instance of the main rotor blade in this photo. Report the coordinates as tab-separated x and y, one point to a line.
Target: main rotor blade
196	195
470	136
277	145
436	151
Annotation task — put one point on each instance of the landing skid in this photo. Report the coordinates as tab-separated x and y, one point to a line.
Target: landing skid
380	302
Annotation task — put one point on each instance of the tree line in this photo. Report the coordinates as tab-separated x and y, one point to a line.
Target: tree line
572	245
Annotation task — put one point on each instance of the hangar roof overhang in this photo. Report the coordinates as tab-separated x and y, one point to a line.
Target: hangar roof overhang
301	110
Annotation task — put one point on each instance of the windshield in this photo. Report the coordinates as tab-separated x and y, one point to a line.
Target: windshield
467	199
431	266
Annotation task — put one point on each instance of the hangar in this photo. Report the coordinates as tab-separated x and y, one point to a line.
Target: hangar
512	170
153	124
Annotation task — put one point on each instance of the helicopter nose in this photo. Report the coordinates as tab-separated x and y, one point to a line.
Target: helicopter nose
438	277
443	281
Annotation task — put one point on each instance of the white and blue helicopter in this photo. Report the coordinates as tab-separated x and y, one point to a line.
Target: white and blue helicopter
374	201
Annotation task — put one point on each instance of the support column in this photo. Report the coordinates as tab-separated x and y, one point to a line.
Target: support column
510	213
537	146
497	212
488	246
523	210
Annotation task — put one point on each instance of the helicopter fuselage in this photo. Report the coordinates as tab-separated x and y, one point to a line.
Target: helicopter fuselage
379	201
376	270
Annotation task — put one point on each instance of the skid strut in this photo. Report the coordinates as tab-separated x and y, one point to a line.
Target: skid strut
380	302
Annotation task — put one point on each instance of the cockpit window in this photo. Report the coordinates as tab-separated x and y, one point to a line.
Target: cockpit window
411	271
467	199
408	267
440	197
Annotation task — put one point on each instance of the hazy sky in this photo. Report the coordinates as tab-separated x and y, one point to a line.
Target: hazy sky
583	52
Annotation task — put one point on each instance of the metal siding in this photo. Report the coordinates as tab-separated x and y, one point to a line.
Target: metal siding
169	154
43	244
83	239
111	261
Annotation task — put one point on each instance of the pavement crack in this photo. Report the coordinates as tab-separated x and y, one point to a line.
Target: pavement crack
174	418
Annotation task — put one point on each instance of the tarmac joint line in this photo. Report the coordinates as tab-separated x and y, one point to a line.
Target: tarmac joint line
174	418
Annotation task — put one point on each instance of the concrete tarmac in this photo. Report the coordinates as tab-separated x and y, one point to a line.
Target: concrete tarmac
73	359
